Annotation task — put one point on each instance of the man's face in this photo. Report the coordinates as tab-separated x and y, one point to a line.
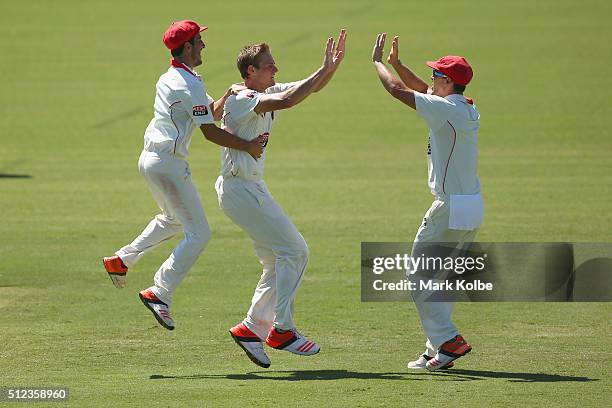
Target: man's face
264	75
440	84
196	50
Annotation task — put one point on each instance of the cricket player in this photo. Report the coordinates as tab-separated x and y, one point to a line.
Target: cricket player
245	199
181	104
457	211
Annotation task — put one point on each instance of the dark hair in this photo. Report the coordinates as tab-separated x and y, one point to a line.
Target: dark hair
458	89
250	56
178	51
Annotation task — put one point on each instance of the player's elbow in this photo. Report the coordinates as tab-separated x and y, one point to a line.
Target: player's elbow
286	102
289	103
404	95
287	99
207	130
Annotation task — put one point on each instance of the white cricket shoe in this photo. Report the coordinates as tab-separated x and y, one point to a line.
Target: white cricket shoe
251	344
293	342
160	310
421	363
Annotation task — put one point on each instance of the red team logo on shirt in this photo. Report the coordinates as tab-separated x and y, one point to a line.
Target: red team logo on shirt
200	110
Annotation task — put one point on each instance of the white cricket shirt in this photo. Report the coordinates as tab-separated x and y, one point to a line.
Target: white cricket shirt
452	151
240	119
181	104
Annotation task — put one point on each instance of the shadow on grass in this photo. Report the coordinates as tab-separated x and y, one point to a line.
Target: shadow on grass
305	375
450	375
7	166
463	375
5	175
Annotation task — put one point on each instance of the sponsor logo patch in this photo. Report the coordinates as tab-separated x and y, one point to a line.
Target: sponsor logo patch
200	110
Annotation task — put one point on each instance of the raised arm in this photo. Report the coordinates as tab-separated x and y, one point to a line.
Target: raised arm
410	79
392	84
296	94
222	138
340	46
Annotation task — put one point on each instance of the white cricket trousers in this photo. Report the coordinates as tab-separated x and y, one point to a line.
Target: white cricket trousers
281	249
436	317
169	179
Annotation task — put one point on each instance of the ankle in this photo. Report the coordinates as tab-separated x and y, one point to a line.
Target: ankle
281	331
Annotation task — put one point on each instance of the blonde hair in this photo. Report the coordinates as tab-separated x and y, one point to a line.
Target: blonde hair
250	56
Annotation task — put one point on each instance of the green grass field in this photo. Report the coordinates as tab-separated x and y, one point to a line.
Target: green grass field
348	165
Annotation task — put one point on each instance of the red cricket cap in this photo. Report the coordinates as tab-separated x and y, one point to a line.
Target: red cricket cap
454	67
180	32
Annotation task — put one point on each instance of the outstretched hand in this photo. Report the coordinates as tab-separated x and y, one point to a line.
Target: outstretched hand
340	47
334	52
379	47
329	48
393	58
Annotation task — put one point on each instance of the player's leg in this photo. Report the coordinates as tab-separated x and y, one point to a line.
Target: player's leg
160	229
291	252
253	330
241	207
250	205
244	205
292	259
260	315
184	202
436	319
291	262
436	316
449	348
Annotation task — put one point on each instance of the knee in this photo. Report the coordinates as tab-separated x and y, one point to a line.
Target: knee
268	262
168	222
295	253
198	240
304	251
197	244
300	250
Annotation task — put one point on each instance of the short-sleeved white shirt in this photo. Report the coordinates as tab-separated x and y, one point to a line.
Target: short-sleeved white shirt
240	119
181	104
452	151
